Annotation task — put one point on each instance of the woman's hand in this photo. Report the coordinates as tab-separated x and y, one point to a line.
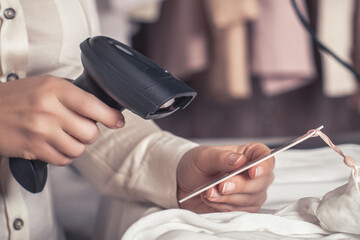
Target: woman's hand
243	192
50	119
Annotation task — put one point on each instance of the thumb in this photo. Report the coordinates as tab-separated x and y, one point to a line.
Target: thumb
212	160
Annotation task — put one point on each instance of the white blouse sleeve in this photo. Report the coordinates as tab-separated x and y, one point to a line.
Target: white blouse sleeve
137	162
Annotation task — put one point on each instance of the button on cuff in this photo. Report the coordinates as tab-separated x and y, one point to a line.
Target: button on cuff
9	13
18	224
12	77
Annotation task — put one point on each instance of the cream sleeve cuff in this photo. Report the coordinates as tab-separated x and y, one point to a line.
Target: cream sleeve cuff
155	179
137	163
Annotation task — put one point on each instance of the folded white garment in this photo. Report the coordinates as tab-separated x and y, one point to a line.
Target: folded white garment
337	211
334	216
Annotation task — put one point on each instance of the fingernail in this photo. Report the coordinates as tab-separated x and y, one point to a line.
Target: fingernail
120	123
214	193
228	187
259	171
234	158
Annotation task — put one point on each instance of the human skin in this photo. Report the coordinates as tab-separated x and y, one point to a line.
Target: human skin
51	119
243	192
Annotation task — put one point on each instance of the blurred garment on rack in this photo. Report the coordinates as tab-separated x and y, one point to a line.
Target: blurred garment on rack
335	29
207	37
228	73
260	114
282	50
354	100
356	37
178	41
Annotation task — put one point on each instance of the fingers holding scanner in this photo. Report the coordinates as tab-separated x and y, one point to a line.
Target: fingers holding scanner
83	111
50	119
91	107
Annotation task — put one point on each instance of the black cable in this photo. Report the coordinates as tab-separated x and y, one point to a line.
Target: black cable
320	44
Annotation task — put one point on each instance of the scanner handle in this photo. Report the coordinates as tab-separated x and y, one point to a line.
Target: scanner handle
32	174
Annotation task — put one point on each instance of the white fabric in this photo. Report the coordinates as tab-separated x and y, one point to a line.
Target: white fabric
38	40
137	162
14	42
334	29
282	55
76	201
337	211
298	174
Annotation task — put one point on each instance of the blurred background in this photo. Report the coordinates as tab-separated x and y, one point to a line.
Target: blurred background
254	66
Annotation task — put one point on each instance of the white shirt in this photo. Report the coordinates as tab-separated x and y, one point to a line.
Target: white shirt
137	162
312	197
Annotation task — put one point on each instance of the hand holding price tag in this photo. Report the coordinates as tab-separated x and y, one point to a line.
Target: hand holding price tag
309	134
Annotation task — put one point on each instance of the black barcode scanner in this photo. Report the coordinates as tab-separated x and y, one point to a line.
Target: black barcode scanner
122	78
